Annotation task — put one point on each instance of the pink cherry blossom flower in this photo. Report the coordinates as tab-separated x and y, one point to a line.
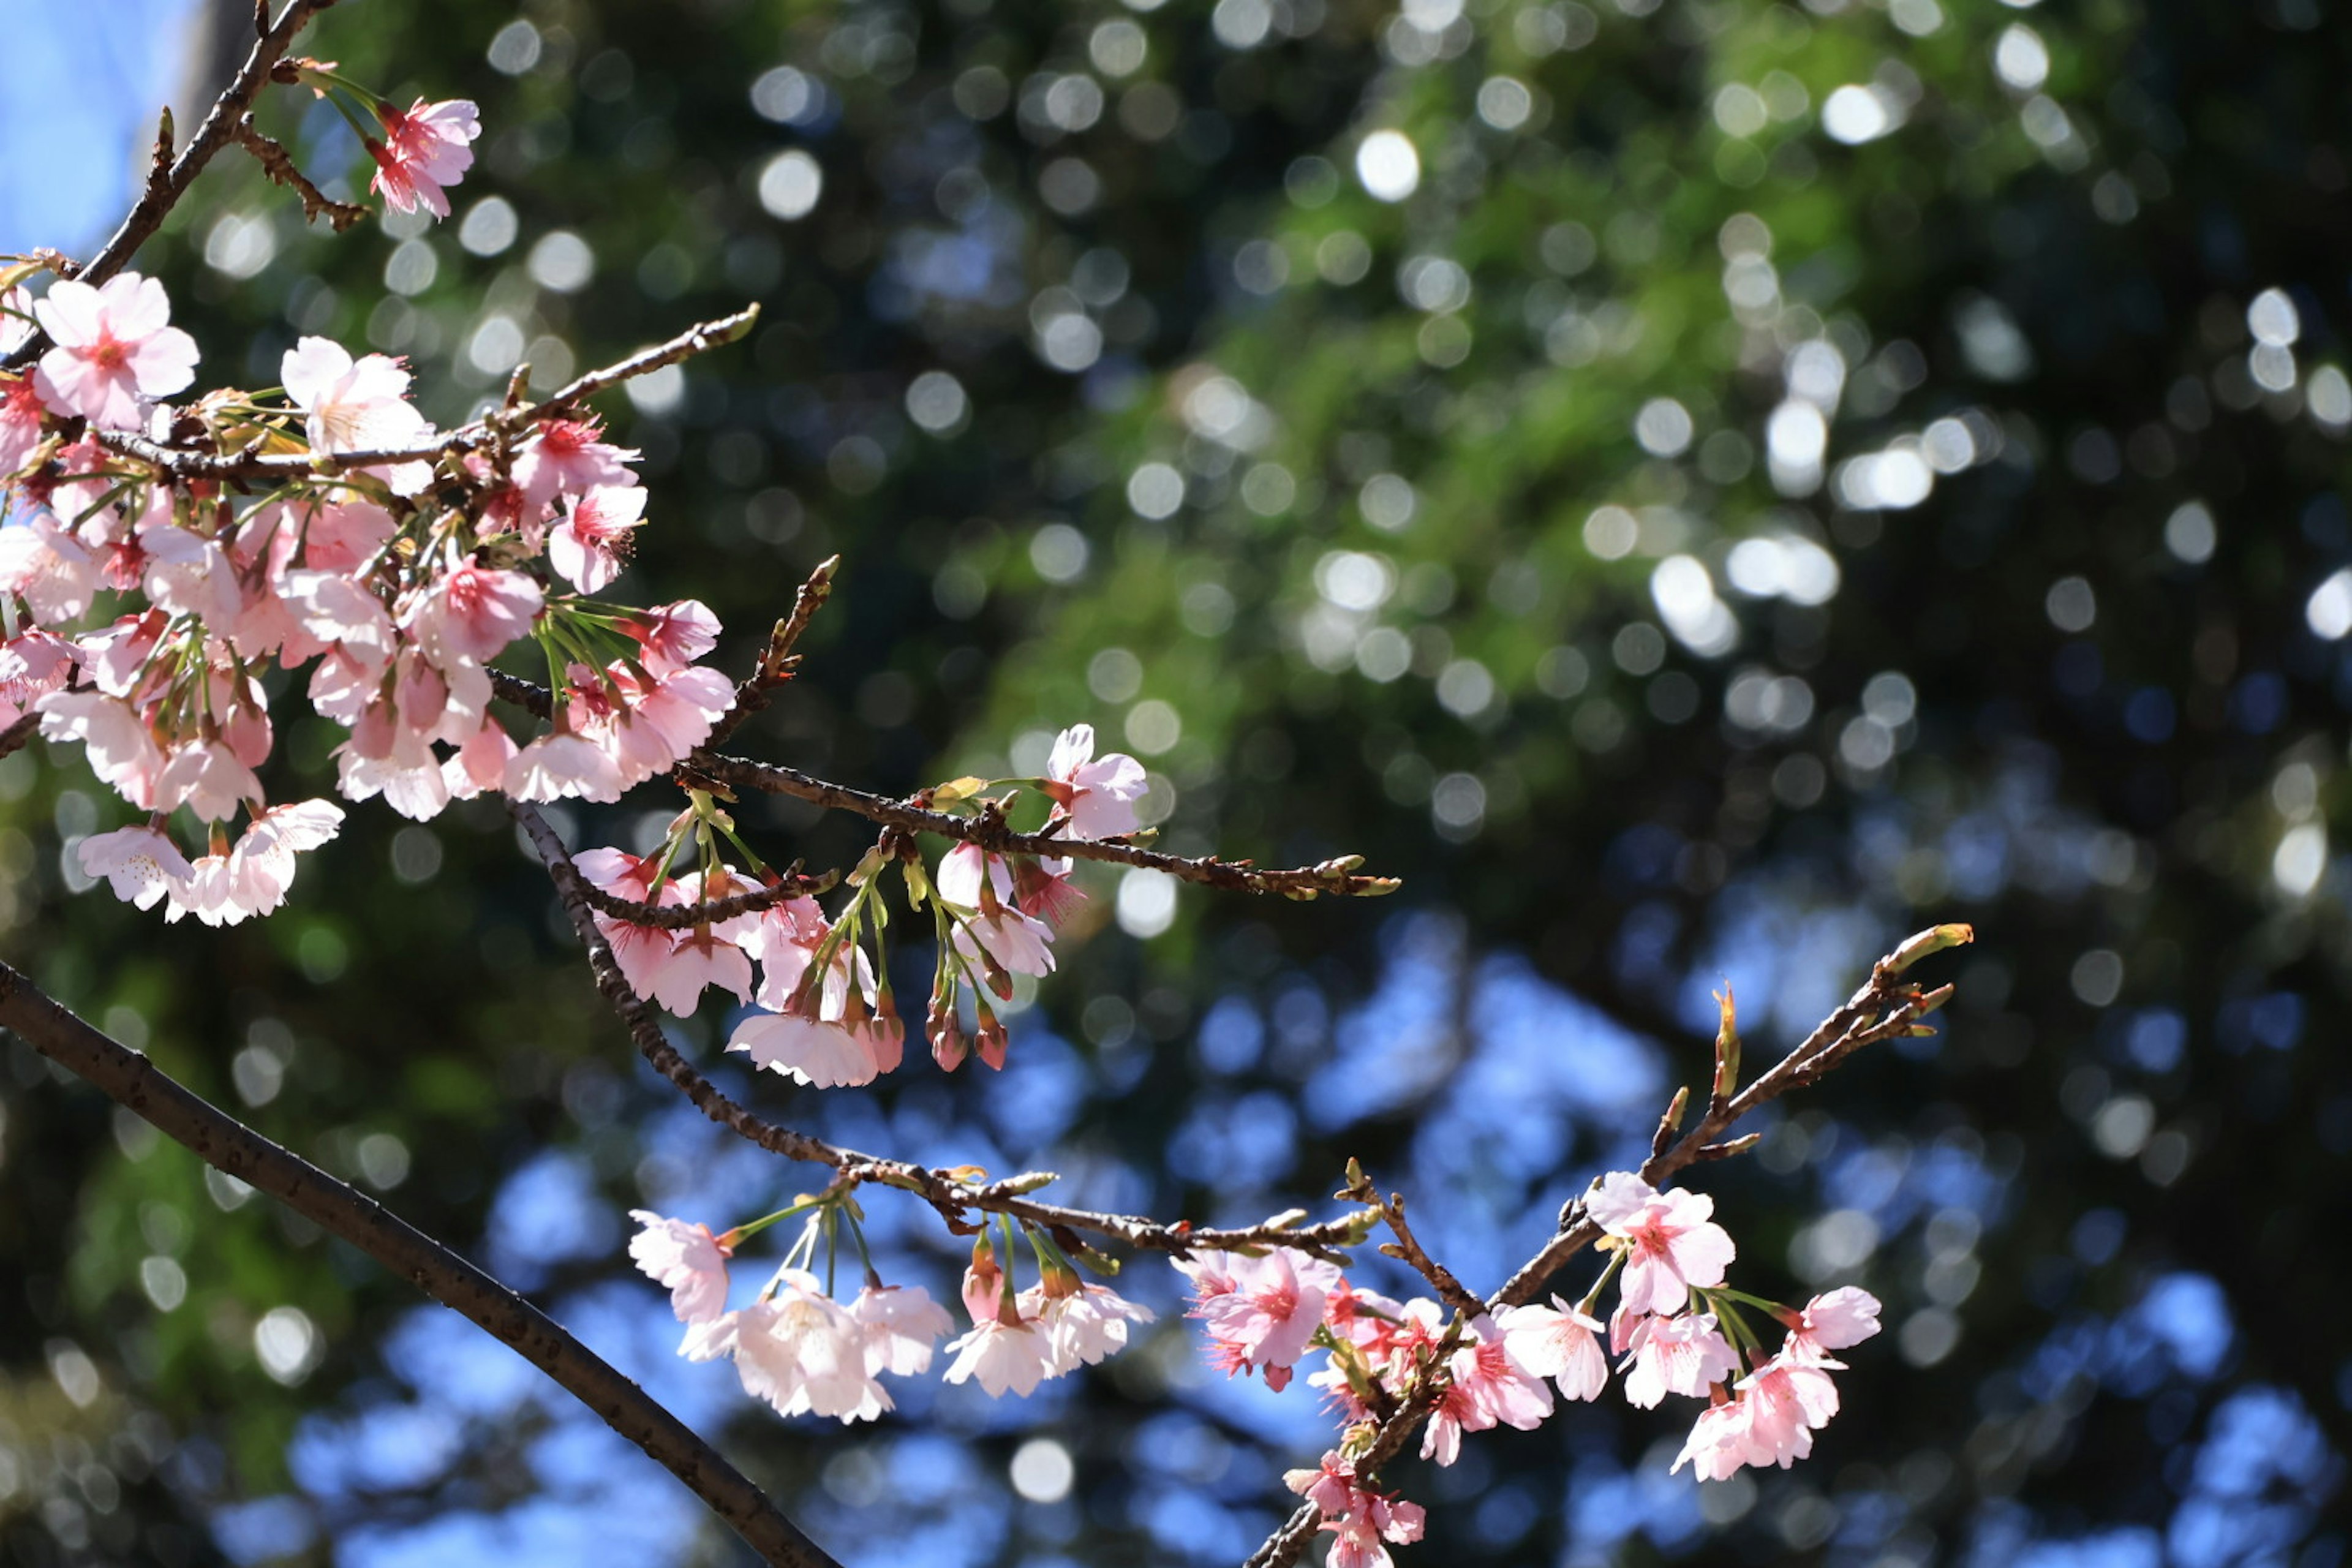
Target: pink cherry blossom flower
1718	1444
1043	890
188	575
1330	1486
15	319
1682	1355
1096	797
115	345
207	778
1271	1312
1506	1393
20	422
587	546
261	867
142	864
473	612
672	636
802	1353
560	765
1844	1317
567	457
1787	1402
814	1051
1011	940
1001	1356
31	666
1085	1327
1560	1342
901	1323
687	1259
121	751
351	406
482	761
699	958
1671	1243
424	150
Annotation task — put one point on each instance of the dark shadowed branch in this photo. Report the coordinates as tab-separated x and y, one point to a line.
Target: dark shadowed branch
227	1144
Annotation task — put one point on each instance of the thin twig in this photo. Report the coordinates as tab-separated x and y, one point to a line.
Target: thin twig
678	917
186	463
953	1199
14	737
227	1144
776	665
279	165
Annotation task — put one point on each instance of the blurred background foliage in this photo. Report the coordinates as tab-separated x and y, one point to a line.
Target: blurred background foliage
1700	488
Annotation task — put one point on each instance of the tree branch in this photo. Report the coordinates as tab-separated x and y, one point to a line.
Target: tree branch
227	1144
185	463
953	1199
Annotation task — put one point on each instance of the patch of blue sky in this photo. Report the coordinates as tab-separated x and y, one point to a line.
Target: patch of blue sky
2126	1547
2181	1324
1188	1524
1039	1095
388	1447
549	1212
1393	1049
79	114
264	1530
1607	1504
651	1529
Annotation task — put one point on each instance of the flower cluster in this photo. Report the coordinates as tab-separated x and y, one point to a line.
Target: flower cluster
143	611
804	1353
822	1012
1678	1328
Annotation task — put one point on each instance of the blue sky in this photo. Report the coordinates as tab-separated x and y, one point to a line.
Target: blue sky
78	108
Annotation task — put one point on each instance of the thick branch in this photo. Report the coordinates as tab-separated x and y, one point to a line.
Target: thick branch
168	181
227	1144
953	1199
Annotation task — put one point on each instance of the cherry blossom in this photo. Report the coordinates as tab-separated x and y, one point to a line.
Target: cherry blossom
1096	797
261	867
587	546
688	1259
901	1323
424	150
1085	1326
1844	1317
1002	1356
802	1352
350	406
15	317
814	1051
20	419
1560	1342
1271	1309
48	568
472	611
141	864
1670	1244
1682	1355
673	636
567	457
114	346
